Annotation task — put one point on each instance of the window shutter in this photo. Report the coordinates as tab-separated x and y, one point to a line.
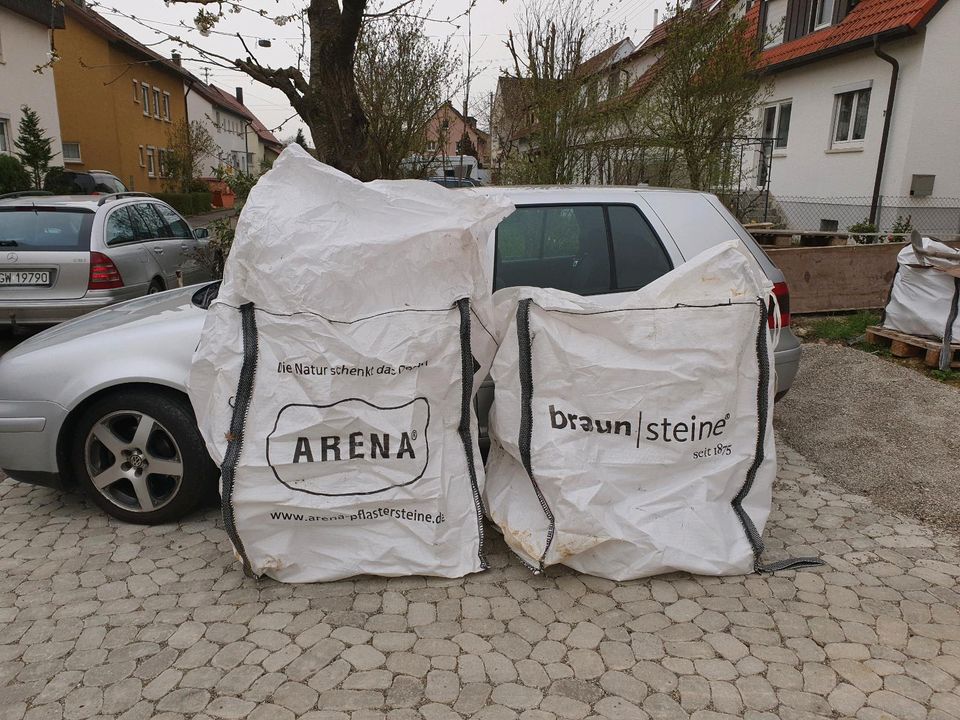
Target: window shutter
798	19
840	10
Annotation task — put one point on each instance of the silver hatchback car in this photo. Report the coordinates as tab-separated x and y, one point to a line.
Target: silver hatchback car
100	402
64	255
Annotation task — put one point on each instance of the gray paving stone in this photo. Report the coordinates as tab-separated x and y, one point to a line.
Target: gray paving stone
103	619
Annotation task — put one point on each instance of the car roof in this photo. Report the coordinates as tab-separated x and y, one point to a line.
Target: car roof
87	202
84	202
534	194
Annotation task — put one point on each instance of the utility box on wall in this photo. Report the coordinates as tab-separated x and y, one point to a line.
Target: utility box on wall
922	185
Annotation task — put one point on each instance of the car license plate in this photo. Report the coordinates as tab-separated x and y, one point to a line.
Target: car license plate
24	277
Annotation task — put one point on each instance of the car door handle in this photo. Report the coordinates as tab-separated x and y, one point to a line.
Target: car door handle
158	250
184	246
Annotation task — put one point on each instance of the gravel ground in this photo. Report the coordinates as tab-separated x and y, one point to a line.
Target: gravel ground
878	429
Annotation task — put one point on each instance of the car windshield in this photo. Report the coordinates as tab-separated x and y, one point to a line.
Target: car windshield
45	228
206	295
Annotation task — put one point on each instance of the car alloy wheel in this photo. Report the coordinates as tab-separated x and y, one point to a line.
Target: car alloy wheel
133	461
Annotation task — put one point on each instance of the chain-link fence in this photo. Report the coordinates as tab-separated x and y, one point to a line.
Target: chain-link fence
930	215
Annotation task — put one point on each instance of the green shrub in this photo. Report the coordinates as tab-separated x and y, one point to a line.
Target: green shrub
864	226
195	203
13	176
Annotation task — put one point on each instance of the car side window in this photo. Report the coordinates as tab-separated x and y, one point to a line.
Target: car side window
156	226
558	246
178	225
121	227
639	257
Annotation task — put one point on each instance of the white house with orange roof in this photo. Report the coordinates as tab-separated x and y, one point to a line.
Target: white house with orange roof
861	116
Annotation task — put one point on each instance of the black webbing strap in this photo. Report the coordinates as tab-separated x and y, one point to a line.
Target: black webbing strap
946	352
238	421
467	371
525	341
763	415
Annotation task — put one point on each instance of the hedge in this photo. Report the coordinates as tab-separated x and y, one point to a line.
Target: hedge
195	203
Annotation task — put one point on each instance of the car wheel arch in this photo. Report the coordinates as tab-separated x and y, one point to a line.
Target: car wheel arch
68	428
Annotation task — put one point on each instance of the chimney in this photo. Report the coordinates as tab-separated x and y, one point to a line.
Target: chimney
240	95
175	56
656	16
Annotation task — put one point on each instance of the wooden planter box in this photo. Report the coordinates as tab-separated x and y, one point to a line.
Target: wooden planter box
846	277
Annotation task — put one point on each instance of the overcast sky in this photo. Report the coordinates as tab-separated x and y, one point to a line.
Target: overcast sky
491	20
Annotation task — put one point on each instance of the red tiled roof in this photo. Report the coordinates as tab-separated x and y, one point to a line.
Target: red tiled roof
228	101
866	19
598	61
268	137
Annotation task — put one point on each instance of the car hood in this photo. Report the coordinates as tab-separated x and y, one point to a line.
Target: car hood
135	317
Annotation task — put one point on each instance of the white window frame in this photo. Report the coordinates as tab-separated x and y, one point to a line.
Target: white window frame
151	161
818	6
140	156
850	143
777	119
145	88
166	106
156	102
7	140
78	160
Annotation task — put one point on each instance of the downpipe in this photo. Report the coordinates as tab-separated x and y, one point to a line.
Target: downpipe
887	117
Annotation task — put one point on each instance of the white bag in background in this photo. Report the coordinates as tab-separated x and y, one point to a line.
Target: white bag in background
336	371
923	299
632	436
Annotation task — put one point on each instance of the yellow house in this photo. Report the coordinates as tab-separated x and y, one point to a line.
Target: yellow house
117	100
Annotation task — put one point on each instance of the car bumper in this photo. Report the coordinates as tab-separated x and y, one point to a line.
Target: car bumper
786	361
28	440
49	312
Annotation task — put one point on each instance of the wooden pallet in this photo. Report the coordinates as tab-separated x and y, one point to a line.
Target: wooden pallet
903	345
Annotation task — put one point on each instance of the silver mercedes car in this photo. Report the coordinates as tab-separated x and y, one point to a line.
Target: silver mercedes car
100	402
65	255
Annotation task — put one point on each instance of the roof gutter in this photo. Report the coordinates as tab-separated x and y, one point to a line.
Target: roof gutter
887	116
834	50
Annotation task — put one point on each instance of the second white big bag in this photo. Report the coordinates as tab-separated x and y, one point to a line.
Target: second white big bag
632	436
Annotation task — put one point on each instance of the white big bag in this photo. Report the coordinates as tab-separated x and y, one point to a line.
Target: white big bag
632	436
336	371
925	294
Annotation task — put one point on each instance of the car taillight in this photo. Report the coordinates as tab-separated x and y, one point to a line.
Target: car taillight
782	293
103	273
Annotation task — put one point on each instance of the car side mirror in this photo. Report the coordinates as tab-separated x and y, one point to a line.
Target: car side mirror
201	233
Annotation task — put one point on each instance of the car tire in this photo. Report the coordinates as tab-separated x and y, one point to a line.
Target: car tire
120	438
155	287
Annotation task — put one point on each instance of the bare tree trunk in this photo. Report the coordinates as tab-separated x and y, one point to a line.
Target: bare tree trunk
332	109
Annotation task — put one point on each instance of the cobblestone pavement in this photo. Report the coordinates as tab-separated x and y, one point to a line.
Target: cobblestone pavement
103	619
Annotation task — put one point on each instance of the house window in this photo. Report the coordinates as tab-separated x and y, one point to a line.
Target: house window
136	91
71	152
776	123
140	156
162	156
4	135
145	97
775	130
850	117
822	13
151	170
156	103
166	106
